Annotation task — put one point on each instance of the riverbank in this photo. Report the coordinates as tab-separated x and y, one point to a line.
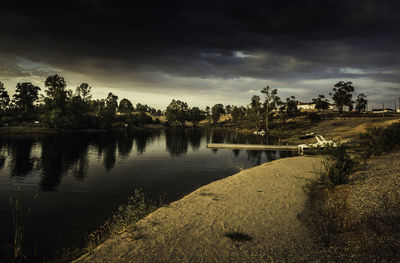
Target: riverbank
251	216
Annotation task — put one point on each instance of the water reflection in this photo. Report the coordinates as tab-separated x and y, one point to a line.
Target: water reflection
57	155
176	141
22	162
125	144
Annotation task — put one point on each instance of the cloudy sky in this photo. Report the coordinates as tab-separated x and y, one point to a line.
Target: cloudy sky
204	52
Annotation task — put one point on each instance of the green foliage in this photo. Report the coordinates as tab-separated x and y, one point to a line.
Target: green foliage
338	166
237	113
139	119
195	115
291	107
142	108
25	95
254	111
271	104
378	140
342	95
176	112
216	112
321	103
125	217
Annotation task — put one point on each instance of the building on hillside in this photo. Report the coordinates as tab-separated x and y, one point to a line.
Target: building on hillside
386	110
333	107
306	106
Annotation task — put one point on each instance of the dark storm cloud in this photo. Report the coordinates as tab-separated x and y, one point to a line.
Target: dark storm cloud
289	40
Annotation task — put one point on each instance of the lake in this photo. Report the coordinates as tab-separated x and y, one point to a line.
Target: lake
81	178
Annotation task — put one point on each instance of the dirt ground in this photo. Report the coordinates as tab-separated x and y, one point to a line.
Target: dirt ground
251	216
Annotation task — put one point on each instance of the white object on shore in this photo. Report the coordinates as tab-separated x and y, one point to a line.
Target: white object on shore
321	142
262	132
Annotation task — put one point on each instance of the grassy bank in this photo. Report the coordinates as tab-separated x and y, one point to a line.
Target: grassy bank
354	208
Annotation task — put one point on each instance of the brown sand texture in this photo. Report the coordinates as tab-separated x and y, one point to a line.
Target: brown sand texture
251	216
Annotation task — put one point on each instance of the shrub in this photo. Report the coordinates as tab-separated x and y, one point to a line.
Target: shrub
126	216
378	140
337	167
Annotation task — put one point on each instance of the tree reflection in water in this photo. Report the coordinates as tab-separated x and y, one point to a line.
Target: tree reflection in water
176	141
52	156
59	153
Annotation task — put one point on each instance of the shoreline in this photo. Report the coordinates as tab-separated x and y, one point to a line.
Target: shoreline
251	216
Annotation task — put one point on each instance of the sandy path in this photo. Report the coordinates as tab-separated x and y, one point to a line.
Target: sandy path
262	202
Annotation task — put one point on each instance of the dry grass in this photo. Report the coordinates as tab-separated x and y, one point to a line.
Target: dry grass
359	221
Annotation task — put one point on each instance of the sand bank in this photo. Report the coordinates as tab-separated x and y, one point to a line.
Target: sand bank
258	207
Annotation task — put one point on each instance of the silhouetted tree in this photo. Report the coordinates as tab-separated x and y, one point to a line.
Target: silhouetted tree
4	97
25	95
56	91
254	111
108	110
176	112
195	115
216	112
56	102
208	114
141	108
271	103
83	91
237	113
361	103
321	103
291	107
228	109
125	106
342	95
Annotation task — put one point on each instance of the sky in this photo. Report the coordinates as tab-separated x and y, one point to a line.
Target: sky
204	52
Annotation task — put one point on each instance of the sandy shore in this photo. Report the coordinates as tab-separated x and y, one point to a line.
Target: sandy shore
258	206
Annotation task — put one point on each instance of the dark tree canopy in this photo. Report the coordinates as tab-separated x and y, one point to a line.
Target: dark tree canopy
142	108
271	103
195	115
25	95
83	91
111	102
4	97
361	103
216	112
291	107
176	112
125	106
56	91
342	95
321	103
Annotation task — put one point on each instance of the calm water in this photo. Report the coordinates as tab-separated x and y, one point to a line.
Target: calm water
81	178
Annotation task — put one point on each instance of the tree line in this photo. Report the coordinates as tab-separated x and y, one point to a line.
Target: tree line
63	108
261	111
